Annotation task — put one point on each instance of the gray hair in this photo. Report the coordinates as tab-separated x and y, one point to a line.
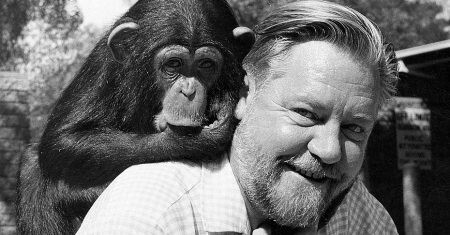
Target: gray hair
308	20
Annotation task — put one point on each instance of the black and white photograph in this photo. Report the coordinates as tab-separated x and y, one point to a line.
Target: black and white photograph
253	117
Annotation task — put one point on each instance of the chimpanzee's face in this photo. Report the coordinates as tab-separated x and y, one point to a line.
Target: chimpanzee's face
185	59
186	75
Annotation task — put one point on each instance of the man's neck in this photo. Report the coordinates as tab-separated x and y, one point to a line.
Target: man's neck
254	216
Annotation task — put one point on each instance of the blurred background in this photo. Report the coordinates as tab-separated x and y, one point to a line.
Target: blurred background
44	42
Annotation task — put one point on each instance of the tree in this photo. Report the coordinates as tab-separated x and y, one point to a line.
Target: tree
398	19
249	12
14	16
49	49
51	57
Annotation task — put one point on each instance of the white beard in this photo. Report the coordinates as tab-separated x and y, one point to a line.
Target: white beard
259	176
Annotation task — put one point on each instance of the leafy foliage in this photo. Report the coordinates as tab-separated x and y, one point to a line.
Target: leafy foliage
51	57
50	48
405	23
15	15
250	12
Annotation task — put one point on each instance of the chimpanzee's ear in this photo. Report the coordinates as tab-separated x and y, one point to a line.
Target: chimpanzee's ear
117	40
245	35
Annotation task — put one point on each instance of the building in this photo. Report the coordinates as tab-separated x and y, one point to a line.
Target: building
424	73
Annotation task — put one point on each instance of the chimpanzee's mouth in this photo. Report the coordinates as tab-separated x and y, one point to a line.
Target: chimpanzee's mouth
188	125
193	129
212	124
210	119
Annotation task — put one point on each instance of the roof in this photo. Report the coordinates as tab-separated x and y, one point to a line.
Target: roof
432	47
425	72
427	61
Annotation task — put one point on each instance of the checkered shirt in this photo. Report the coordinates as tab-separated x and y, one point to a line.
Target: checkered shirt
186	198
360	213
170	198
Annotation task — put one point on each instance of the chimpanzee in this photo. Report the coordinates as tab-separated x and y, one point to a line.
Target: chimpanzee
161	85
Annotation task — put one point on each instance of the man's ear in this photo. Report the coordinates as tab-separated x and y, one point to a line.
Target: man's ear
117	40
246	96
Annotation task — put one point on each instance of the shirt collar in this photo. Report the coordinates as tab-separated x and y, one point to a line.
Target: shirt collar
223	205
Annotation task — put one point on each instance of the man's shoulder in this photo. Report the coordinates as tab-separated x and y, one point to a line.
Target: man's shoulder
153	186
164	182
141	196
366	213
184	173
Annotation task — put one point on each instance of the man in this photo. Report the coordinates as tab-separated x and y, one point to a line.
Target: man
317	76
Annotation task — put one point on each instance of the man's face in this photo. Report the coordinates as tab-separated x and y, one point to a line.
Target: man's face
302	136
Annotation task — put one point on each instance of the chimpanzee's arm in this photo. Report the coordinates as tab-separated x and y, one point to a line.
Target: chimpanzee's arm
98	156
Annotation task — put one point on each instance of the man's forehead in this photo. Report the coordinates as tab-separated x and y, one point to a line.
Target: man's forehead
323	75
322	60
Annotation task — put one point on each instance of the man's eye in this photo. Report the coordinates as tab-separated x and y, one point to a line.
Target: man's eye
354	132
303	117
306	113
355	128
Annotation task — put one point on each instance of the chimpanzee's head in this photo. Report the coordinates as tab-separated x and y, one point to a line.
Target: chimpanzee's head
179	62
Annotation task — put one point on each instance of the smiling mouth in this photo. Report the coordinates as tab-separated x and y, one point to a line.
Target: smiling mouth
309	175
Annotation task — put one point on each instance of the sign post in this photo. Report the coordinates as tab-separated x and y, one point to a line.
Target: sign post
414	153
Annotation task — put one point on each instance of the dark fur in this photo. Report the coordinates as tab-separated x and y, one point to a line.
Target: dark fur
103	122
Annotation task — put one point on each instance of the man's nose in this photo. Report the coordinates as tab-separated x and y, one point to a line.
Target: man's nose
325	143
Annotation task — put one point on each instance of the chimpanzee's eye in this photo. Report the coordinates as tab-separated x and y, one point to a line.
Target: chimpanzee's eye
172	65
207	64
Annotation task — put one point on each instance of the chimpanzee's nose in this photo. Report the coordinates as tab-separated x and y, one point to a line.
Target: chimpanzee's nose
188	86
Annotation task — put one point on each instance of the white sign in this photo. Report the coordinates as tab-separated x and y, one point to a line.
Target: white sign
413	134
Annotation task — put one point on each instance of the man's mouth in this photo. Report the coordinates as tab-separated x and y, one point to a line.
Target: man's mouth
311	169
314	176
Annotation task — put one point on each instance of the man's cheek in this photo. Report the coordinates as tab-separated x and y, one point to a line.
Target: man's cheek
287	139
263	126
354	154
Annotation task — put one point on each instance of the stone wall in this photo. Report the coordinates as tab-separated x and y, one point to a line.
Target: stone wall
14	135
